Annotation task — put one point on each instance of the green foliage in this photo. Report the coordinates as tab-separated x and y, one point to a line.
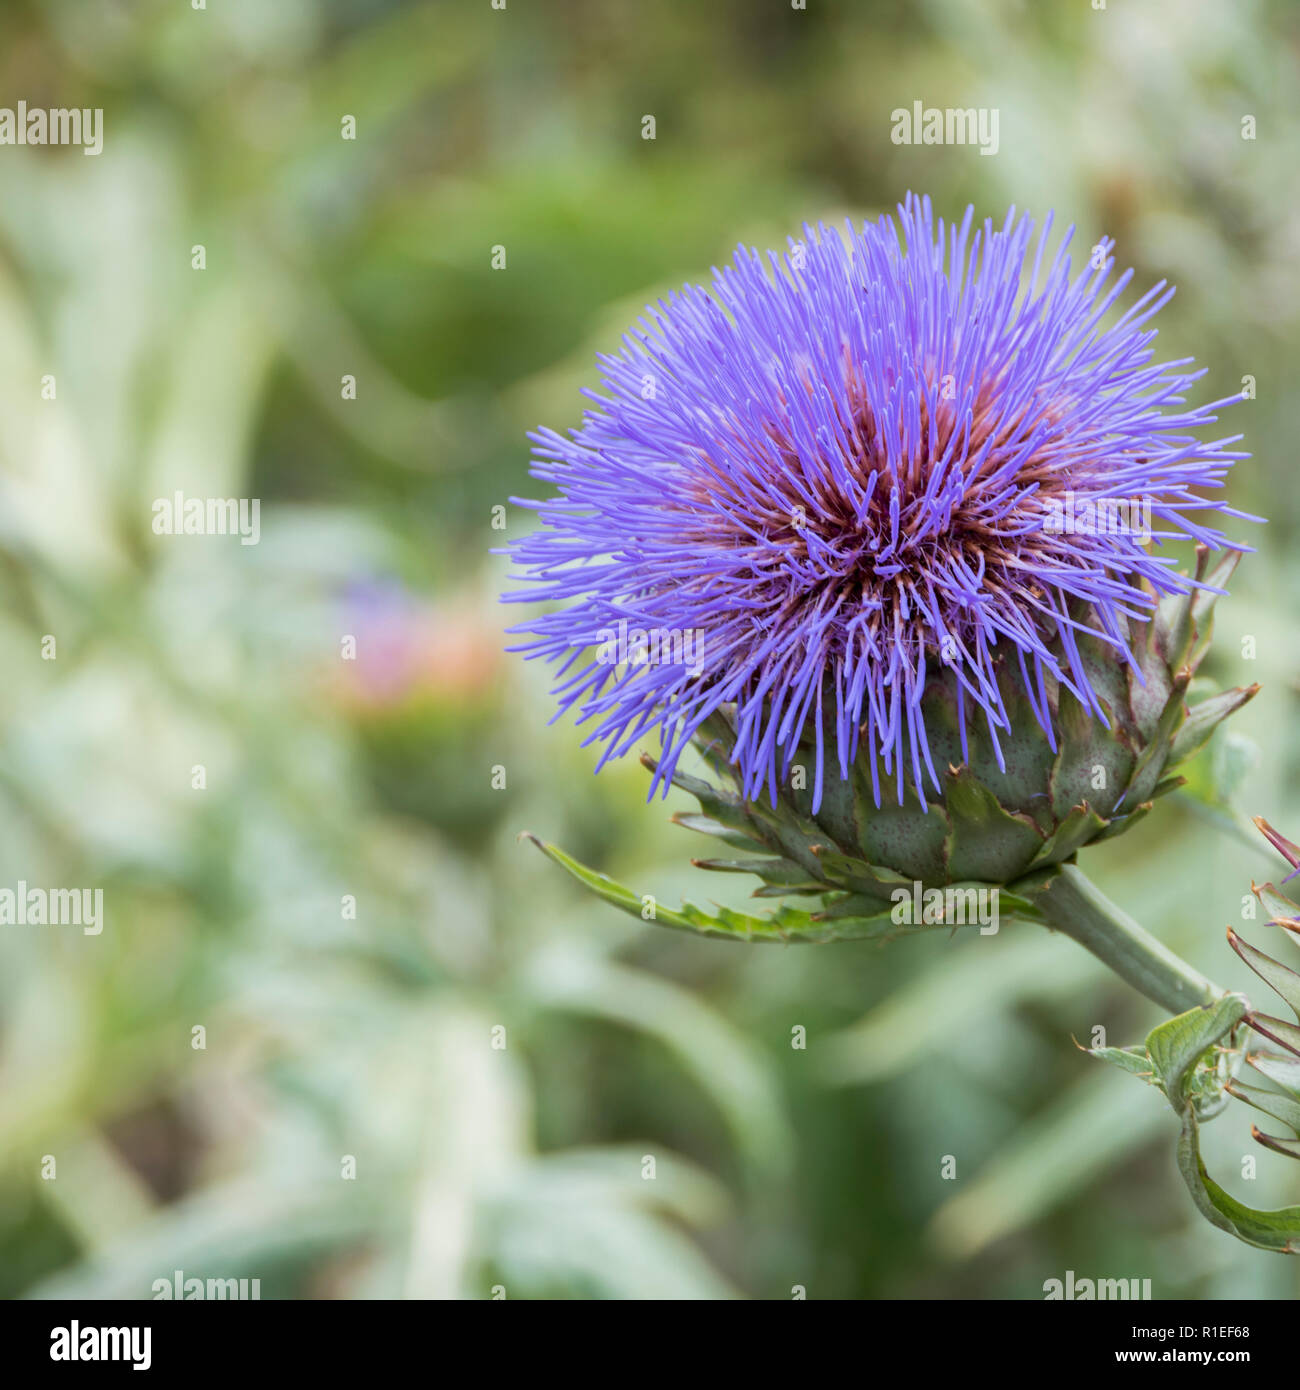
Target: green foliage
1186	1057
1193	1060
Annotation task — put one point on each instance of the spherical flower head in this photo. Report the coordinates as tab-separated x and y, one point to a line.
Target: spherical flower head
885	455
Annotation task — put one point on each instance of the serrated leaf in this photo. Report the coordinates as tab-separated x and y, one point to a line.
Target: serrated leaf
869	920
688	919
847	921
785	925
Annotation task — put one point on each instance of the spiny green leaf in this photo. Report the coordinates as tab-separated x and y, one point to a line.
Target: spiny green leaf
1289	851
1154	757
1133	1060
1277	1030
1203	604
1285	982
1079	828
786	924
774	871
857	875
1173	627
688	919
1290	1148
788	832
1202	720
1284	1108
1281	910
707	825
1284	1071
1117	825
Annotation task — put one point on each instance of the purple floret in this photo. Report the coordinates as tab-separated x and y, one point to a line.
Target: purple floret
843	470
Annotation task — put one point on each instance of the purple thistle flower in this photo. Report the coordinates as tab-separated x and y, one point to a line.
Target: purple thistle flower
845	470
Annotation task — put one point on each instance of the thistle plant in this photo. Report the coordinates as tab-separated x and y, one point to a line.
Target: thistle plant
882	529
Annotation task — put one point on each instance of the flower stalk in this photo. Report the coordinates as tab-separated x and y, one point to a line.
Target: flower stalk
1073	904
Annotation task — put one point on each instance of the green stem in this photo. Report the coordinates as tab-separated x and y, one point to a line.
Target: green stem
1072	904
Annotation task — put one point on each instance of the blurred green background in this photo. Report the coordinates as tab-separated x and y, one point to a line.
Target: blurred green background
523	1166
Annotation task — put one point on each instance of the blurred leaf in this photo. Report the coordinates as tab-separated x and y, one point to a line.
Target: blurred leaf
1088	1129
725	1064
